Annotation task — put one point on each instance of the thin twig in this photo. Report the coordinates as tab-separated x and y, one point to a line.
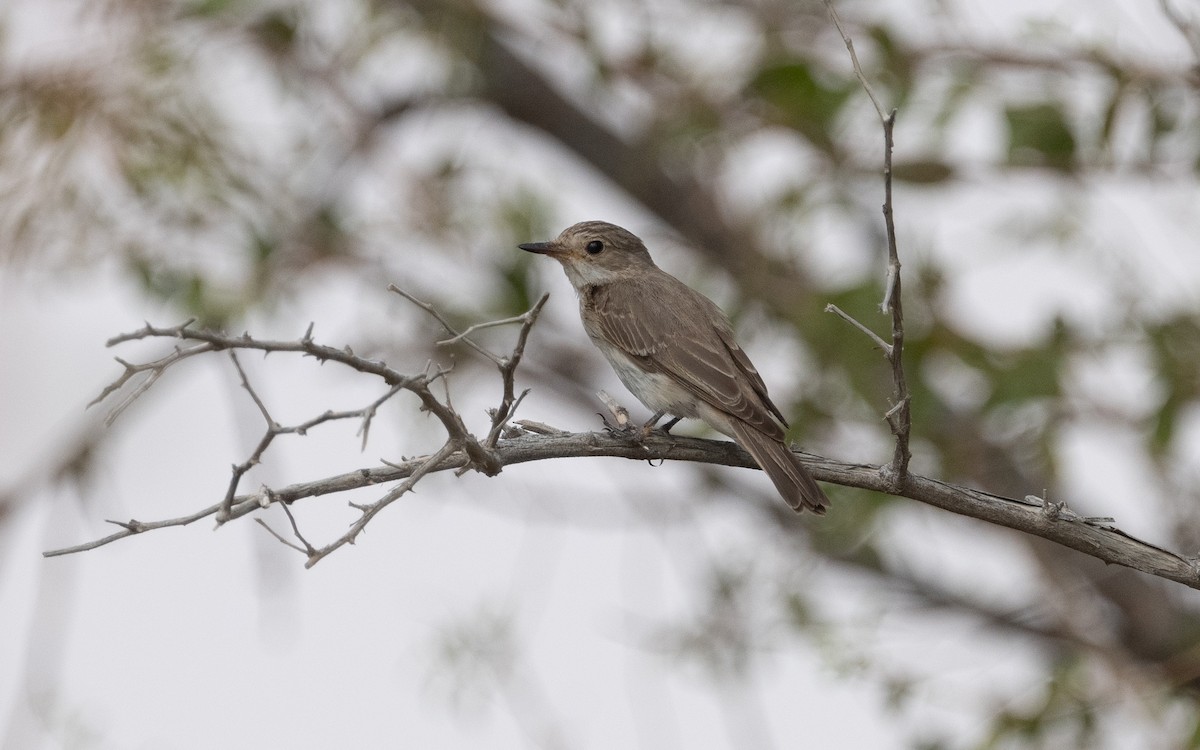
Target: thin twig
154	370
282	541
308	548
885	346
480	327
619	413
508	372
858	71
368	413
370	511
239	470
901	420
899	416
416	384
506	365
541	428
456	336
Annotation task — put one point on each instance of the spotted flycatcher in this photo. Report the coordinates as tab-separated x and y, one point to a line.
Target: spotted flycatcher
674	349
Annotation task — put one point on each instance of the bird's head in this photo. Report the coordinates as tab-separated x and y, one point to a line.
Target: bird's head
595	253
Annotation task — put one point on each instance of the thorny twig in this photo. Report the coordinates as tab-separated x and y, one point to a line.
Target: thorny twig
429	308
239	470
370	511
507	365
883	345
899	416
153	371
533	441
508	370
1093	537
460	442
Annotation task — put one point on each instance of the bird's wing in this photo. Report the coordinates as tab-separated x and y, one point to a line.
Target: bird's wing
690	340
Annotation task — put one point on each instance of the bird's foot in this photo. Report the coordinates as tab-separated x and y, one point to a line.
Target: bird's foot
616	427
651	425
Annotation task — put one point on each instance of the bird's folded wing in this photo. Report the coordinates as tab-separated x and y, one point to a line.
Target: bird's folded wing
689	339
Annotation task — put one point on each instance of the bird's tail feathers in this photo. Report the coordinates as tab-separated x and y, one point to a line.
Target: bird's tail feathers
783	467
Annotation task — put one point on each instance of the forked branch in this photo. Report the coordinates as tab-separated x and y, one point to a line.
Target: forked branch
531	441
899	416
138	378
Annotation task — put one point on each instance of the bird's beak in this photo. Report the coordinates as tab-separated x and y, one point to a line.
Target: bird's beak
543	248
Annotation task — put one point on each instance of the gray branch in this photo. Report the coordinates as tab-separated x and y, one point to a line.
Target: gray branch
522	442
1101	541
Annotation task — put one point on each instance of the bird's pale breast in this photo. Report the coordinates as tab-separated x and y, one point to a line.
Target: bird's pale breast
657	391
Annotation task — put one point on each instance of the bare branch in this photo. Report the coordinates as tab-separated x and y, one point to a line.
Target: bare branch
506	365
422	468
899	417
455	335
281	540
416	384
858	71
1093	536
239	470
152	370
508	372
217	341
883	345
1099	541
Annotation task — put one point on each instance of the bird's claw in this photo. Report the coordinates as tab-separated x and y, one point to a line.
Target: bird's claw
625	429
620	429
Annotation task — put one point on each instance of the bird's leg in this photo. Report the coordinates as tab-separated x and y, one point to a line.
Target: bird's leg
653	420
648	427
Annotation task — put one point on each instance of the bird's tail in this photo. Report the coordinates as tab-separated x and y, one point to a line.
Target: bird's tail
783	467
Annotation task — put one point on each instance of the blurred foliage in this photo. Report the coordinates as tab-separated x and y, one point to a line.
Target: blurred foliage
1176	346
1064	715
226	152
802	101
472	656
1038	135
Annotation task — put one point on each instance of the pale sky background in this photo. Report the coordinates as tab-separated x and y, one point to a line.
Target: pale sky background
190	638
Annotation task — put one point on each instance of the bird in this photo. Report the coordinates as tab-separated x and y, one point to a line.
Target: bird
675	350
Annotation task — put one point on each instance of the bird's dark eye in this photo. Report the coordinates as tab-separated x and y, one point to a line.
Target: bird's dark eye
594	247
